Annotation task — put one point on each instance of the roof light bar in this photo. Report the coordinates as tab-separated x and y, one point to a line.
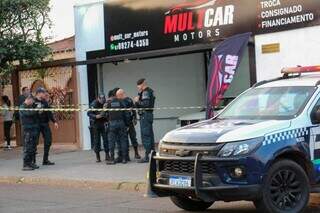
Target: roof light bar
292	70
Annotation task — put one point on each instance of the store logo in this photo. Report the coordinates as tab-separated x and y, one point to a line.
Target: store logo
183	153
191	6
197	16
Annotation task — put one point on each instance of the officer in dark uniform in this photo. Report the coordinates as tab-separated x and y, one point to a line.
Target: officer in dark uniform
146	100
98	121
118	124
44	118
128	103
30	125
16	115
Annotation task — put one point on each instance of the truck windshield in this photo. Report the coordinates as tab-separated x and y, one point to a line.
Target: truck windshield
276	103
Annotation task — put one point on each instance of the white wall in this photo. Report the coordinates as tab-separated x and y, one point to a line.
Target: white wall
176	80
297	47
89	29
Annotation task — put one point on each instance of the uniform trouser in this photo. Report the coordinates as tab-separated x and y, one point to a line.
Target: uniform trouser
133	135
21	133
7	129
147	135
91	135
47	140
30	137
118	137
99	131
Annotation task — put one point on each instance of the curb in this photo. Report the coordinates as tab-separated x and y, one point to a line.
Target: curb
137	187
88	184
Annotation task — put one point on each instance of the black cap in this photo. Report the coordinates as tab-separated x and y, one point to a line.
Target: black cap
141	81
41	90
102	95
110	93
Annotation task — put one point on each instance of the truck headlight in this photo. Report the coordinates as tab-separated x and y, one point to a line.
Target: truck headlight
240	148
160	145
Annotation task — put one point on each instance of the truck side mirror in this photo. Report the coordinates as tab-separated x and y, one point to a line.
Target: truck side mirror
315	118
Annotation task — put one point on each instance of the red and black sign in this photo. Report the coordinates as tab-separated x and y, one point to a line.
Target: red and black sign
148	25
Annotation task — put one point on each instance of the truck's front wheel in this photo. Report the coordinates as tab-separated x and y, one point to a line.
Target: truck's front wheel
285	189
190	204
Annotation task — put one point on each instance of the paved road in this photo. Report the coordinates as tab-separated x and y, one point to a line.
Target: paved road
44	199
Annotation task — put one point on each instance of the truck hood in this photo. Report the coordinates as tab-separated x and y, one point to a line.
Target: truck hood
221	131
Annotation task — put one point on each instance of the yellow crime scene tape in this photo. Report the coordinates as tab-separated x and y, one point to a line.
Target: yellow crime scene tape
58	109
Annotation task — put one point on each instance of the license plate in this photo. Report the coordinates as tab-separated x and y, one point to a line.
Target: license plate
181	182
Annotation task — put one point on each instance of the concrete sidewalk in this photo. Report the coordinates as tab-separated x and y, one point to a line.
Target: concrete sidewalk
73	169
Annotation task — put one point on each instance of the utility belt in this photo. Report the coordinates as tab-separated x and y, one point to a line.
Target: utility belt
98	122
141	112
116	120
44	123
29	127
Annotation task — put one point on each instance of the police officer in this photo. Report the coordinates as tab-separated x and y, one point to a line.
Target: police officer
145	100
128	103
21	98
118	124
30	125
42	102
98	120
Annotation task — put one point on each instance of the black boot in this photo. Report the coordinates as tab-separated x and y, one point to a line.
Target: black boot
111	160
119	158
48	163
34	159
144	160
98	157
34	166
107	156
136	153
127	158
124	161
33	163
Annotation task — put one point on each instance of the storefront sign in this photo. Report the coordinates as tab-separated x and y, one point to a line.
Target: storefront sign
148	25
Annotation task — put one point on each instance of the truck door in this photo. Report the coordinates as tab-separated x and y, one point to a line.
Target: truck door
315	137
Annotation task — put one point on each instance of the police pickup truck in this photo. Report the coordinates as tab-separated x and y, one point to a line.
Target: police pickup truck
263	147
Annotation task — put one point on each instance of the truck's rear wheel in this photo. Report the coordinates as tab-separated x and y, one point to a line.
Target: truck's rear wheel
285	189
190	204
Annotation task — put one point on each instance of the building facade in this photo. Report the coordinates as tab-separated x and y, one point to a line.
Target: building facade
169	44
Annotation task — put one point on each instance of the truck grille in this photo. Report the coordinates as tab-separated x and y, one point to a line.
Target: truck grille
185	167
171	148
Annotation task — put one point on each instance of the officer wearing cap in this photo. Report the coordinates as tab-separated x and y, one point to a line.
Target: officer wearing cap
30	124
146	101
117	129
98	121
45	117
